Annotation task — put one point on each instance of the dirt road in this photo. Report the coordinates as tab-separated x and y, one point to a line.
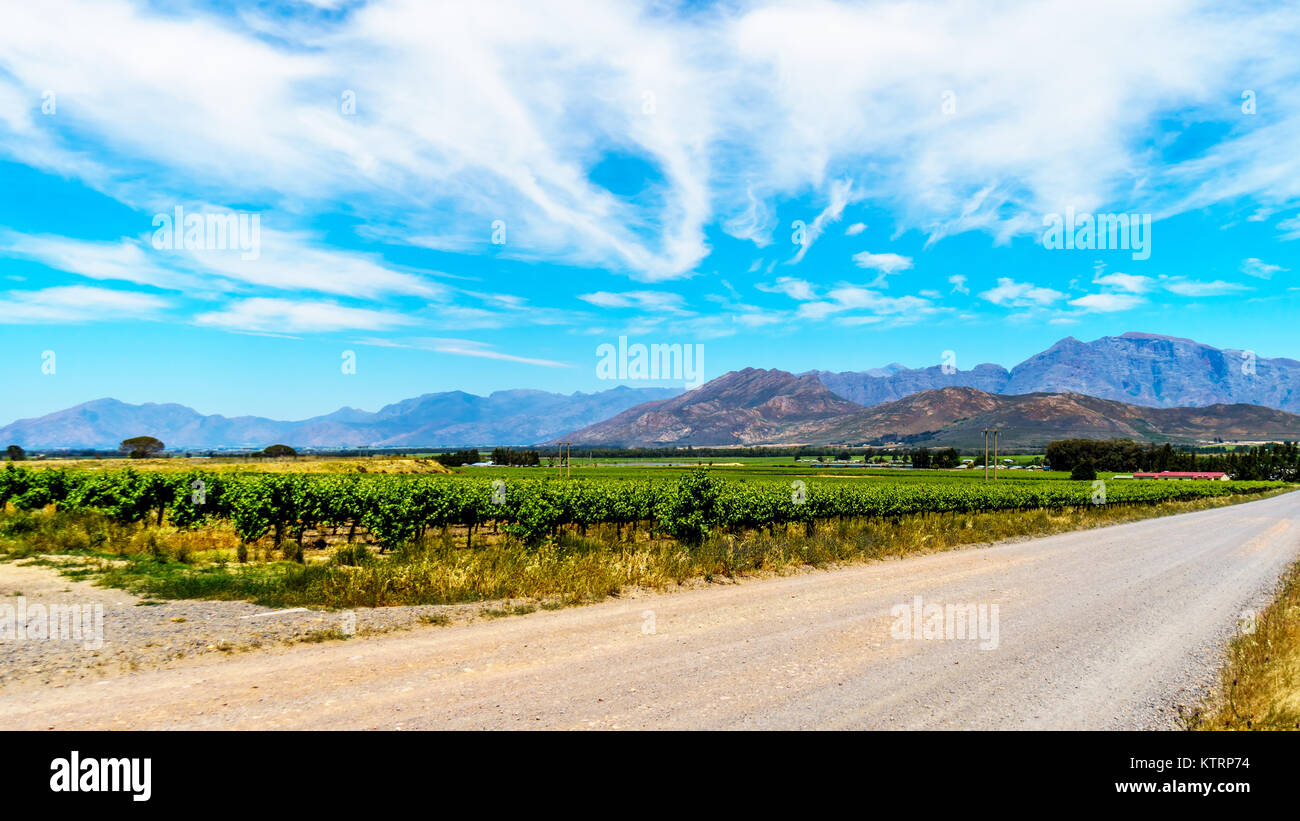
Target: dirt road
1108	628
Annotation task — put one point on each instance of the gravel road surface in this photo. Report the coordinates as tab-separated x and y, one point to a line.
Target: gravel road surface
1098	629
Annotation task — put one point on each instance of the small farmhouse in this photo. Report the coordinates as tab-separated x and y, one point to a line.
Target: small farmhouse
1217	476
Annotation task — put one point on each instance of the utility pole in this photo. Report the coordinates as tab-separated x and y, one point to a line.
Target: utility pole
995	454
986	433
565	450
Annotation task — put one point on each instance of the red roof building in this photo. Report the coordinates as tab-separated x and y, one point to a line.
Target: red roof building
1217	476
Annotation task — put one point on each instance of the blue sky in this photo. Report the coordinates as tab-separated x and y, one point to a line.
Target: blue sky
477	196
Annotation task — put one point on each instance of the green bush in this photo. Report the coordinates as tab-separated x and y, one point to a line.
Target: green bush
1084	471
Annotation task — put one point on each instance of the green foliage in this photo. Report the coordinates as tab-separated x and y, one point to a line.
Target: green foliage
1084	471
279	451
515	458
15	453
460	457
1276	461
691	508
397	509
141	447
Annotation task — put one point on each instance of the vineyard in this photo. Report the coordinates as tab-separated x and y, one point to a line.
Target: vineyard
394	510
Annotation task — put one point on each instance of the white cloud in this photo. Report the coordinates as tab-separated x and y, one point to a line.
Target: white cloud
887	263
851	305
1131	283
855	229
648	300
840	193
1290	228
799	289
1255	267
1020	294
287	261
473	349
470	113
751	223
1216	288
863	298
287	316
461	347
1107	303
78	303
958	283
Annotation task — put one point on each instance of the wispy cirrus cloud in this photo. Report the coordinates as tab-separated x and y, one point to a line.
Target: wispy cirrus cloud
664	301
1130	283
289	316
287	261
841	193
79	303
497	111
1218	287
1255	267
460	347
793	287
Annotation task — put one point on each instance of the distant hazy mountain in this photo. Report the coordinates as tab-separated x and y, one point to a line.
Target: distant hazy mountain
877	385
1142	369
741	407
955	417
773	407
516	417
1161	371
754	405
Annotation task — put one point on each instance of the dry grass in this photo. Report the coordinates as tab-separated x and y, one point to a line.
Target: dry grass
1260	687
162	563
236	464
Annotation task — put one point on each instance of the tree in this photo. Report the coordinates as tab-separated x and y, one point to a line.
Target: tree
1084	471
141	447
278	451
460	457
16	454
945	458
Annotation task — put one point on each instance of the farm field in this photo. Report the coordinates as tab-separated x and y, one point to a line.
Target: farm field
245	464
355	539
397	509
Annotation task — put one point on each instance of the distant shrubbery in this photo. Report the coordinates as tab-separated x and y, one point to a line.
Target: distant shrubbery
515	458
1259	463
1084	471
923	458
460	457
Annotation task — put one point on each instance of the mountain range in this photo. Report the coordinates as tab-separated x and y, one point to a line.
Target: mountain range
1061	391
718	413
1138	368
449	419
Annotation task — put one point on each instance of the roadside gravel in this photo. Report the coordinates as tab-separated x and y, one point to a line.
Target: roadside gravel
1113	628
